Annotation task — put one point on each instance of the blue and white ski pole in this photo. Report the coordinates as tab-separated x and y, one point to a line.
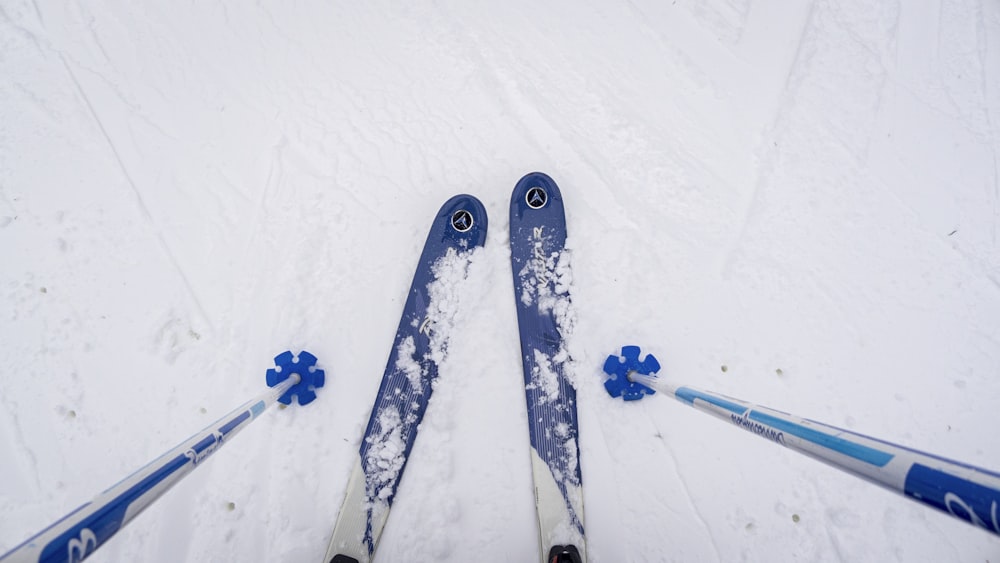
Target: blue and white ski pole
964	491
78	534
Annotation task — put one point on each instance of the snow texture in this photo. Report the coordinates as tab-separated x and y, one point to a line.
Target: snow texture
406	363
553	298
445	306
793	203
385	455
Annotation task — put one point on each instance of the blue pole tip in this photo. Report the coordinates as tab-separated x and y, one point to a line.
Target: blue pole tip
618	383
311	377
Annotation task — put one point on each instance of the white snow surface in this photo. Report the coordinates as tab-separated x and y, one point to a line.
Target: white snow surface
386	453
408	364
188	189
445	305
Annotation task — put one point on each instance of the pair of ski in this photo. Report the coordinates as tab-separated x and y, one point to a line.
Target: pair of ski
541	277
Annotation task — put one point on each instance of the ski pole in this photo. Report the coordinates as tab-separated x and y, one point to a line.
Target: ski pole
964	491
78	534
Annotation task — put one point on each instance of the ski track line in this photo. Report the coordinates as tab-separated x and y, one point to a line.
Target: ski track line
970	259
826	529
142	204
539	128
797	60
690	62
38	13
835	300
260	215
687	490
97	41
273	187
982	52
939	18
618	518
134	110
996	191
232	185
879	99
20	443
766	169
290	39
566	150
272	471
17	26
703	50
533	122
513	101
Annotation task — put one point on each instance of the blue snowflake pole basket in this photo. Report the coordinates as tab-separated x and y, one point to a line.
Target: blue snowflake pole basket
304	366
620	368
81	532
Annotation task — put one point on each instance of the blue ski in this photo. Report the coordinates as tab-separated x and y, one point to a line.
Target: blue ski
421	342
541	271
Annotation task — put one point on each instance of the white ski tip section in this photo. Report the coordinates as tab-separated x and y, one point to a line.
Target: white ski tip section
555	524
349	532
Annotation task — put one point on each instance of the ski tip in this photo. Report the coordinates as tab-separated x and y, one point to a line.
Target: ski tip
464	219
310	376
564	554
618	368
534	191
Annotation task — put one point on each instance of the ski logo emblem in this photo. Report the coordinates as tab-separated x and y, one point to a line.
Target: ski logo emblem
200	451
755	427
461	221
79	548
536	198
539	259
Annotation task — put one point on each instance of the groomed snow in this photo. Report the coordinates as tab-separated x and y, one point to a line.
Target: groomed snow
793	203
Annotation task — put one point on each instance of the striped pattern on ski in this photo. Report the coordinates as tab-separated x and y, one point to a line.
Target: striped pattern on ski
541	271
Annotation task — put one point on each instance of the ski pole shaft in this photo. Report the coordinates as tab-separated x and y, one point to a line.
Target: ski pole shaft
82	531
964	491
